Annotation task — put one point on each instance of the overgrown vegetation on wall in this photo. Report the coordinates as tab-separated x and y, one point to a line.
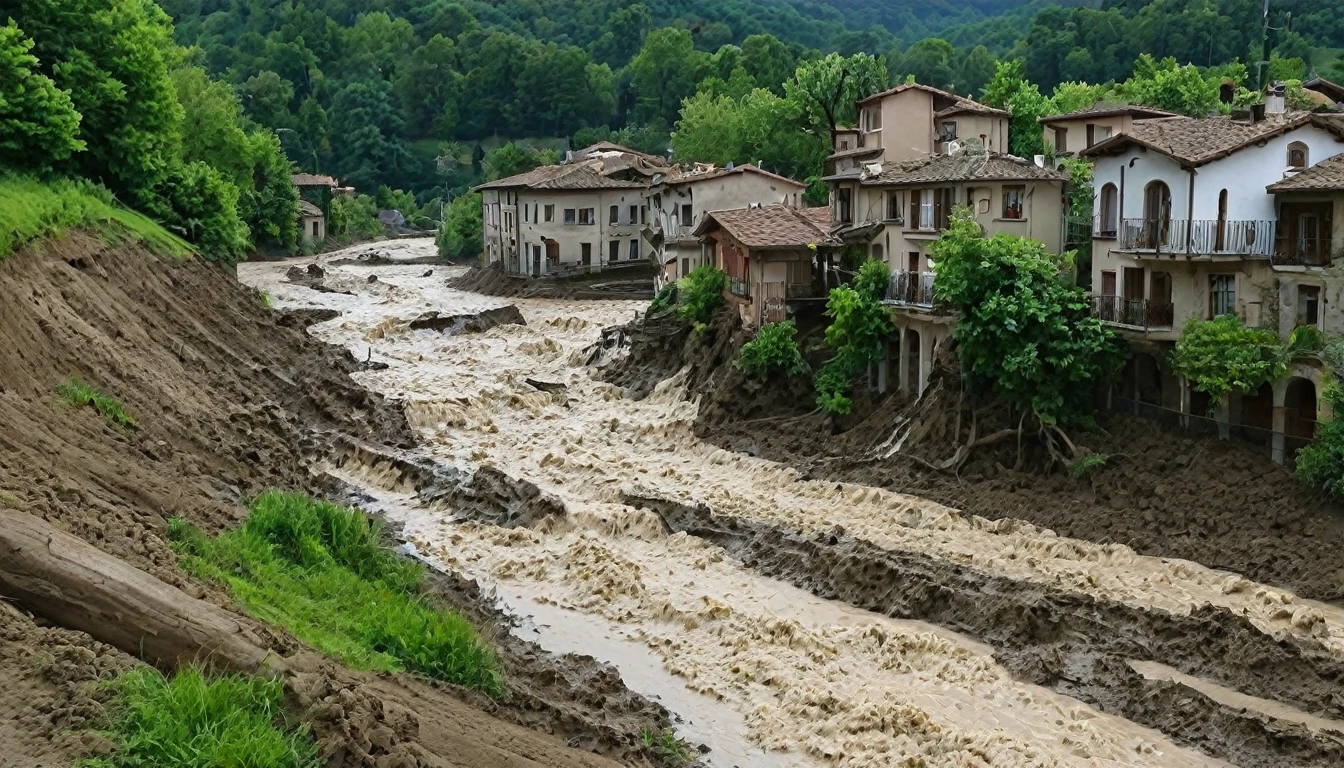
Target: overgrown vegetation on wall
1221	356
699	294
860	325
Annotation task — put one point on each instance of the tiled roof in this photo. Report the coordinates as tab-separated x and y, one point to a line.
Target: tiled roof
968	107
820	216
859	151
962	166
308	209
582	175
311	180
691	175
1104	109
1325	87
1327	175
772	226
607	146
1195	141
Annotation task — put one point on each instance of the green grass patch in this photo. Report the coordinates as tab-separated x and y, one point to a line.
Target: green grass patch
31	210
80	394
194	721
324	573
667	747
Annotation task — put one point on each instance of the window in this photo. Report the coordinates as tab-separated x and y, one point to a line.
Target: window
912	261
1308	305
1108	222
643	215
614	215
1222	294
587	216
872	118
634	214
685	267
550	213
949	130
843	202
893	206
844	145
1103	133
613	251
1091	134
1108	283
634	250
586	249
1061	140
525	214
314	229
878	253
686	216
570	216
1013	196
1297	155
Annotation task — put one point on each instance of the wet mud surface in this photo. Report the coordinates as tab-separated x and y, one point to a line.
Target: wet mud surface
802	621
618	284
230	398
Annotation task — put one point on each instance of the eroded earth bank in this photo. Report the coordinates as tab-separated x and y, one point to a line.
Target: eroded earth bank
784	619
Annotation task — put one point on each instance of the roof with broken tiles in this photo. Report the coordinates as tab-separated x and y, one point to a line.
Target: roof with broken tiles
771	226
962	166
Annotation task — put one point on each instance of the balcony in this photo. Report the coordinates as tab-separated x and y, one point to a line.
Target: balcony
1140	314
1201	237
913	289
1303	252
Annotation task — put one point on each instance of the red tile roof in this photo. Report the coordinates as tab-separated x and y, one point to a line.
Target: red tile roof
770	227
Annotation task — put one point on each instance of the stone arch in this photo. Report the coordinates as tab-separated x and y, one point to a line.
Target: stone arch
1299	408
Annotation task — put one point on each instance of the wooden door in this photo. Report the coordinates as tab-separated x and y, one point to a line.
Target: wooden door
1157	214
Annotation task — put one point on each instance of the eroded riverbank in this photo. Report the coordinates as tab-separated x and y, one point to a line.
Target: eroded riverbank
811	680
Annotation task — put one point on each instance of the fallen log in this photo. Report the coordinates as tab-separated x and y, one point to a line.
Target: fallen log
64	580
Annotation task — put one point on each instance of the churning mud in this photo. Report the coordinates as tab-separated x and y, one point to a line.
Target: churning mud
564	494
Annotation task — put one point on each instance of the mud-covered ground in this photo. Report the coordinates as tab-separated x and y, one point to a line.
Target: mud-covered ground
785	617
230	398
625	282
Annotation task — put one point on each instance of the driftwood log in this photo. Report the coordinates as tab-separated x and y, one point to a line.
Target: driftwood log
73	584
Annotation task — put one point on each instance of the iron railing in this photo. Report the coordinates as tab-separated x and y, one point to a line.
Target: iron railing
1201	236
911	288
1134	313
1303	252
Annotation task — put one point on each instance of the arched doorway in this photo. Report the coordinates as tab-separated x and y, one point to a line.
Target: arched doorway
912	356
1156	214
1299	414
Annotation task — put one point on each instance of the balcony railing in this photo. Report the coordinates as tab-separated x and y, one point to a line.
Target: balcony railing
1134	313
1200	237
911	289
1304	252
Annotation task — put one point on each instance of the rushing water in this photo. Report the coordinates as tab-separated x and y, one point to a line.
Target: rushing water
761	672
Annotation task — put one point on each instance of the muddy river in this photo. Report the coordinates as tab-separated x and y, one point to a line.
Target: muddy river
761	672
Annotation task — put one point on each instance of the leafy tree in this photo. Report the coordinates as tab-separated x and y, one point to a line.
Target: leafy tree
1024	330
769	62
460	238
664	72
621	35
1221	356
39	127
977	69
266	97
929	61
759	127
827	89
204	210
1010	90
377	45
773	351
368	149
1165	85
511	160
110	56
429	88
351	218
860	325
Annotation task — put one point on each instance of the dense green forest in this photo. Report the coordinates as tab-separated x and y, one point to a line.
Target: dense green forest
194	110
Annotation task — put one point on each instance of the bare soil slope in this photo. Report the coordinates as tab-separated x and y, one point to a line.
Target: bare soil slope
229	399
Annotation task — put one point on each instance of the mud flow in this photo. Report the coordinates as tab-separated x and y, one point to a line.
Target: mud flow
753	602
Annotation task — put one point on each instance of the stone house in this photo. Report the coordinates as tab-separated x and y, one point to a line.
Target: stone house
312	223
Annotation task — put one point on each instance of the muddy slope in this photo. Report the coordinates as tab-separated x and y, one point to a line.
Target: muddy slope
229	399
1219	503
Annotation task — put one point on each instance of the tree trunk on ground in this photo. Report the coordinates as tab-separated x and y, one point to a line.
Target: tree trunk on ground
72	584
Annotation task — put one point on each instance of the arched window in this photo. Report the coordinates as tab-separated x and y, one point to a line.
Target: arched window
1110	210
1297	155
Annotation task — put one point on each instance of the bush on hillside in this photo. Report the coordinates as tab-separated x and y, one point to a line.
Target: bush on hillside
699	294
773	351
460	238
203	208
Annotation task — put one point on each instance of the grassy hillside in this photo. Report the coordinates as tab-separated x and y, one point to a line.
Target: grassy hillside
30	210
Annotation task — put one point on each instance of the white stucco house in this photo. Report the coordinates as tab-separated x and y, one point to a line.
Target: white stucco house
1198	217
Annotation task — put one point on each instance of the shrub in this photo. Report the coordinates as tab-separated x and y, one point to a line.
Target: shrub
663	300
460	237
1221	356
1306	339
699	294
204	210
1321	464
191	721
774	350
1088	463
80	394
322	572
859	326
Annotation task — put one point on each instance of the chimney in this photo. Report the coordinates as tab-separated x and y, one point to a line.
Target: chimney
1274	100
